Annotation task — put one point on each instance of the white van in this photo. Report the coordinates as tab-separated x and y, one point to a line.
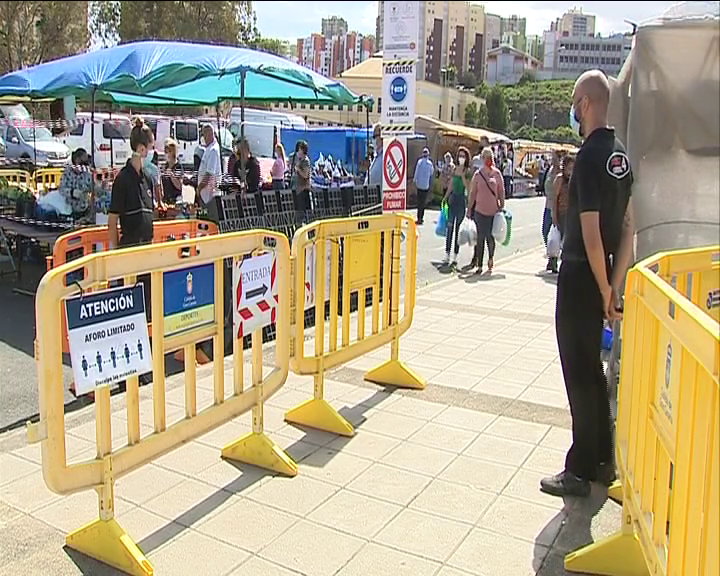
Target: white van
186	131
262	128
112	140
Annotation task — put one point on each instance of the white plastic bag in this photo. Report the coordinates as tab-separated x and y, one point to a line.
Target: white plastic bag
468	233
56	201
554	244
499	227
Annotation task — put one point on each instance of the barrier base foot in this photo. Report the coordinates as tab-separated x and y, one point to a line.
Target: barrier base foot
107	542
615	492
395	373
617	555
317	413
260	451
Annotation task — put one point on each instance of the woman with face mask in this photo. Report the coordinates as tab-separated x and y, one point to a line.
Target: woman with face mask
455	196
562	193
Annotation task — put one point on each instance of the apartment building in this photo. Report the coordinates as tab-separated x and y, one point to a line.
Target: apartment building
333	26
567	56
332	55
512	32
576	23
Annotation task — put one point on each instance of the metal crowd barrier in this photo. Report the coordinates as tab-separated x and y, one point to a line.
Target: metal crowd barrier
370	250
668	427
104	539
20	178
86	241
47	179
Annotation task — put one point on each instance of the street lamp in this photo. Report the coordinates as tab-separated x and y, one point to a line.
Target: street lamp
532	121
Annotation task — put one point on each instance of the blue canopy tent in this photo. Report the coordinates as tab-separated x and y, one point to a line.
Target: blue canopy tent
174	73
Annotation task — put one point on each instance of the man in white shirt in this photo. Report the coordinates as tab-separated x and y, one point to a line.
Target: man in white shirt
209	174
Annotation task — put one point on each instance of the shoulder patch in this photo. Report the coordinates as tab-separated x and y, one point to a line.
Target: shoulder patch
618	165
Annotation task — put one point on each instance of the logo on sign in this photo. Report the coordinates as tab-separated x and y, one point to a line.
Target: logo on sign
398	89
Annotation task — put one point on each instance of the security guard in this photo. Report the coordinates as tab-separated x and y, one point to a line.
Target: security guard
596	254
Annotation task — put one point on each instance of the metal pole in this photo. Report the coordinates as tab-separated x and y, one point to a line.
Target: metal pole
532	122
242	123
92	154
112	133
217	118
34	135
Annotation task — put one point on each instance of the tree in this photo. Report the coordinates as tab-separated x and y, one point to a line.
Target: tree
34	32
481	89
471	114
497	109
468	80
482	117
226	22
273	45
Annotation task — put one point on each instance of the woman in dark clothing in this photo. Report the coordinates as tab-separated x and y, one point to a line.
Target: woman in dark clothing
252	167
172	175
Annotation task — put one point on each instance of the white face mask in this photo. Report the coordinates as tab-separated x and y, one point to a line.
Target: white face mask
461	160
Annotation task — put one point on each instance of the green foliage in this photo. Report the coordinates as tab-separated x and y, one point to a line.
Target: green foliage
481	90
476	116
468	80
227	22
497	109
273	45
34	32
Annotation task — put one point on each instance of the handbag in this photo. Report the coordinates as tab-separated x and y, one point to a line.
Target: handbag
490	188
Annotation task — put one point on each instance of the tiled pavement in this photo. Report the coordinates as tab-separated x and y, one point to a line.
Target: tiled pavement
440	482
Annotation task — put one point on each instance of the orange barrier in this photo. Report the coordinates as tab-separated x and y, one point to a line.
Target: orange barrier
91	240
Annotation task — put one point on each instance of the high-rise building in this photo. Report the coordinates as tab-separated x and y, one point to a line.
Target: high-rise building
333	26
534	46
512	31
568	56
575	23
332	55
493	31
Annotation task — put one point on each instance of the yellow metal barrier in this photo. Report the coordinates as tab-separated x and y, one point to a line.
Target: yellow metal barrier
371	253
47	179
103	538
668	428
20	178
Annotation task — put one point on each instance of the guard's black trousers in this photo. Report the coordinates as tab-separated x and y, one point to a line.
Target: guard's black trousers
579	326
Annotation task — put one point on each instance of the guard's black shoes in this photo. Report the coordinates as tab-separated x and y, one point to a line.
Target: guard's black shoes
565	484
606	474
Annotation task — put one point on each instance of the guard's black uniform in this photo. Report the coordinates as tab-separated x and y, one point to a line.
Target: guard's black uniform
601	182
132	201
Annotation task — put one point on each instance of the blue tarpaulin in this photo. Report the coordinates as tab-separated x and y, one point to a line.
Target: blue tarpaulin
173	72
348	145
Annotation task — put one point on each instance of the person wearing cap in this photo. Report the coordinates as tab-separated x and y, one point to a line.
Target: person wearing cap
209	173
374	177
423	178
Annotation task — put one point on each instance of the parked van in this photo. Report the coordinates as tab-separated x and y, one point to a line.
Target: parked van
35	146
112	138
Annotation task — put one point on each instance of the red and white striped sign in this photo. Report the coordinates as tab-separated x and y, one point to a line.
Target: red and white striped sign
254	293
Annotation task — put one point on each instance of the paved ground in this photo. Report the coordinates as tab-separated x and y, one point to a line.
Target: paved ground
18	382
440	482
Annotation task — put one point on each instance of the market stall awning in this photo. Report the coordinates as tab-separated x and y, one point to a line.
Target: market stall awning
424	123
147	68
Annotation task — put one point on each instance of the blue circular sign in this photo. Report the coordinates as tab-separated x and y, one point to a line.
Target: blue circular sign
398	89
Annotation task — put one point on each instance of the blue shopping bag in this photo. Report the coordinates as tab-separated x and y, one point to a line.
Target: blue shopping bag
441	226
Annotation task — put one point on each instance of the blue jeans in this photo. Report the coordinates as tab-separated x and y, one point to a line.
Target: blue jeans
456	213
546	224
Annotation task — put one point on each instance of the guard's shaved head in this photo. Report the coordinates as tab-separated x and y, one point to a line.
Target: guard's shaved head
594	85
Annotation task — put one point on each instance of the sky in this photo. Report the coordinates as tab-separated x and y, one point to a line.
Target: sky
290	20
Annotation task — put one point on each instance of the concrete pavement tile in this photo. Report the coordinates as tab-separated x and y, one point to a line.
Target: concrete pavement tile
149	531
194	553
369	397
450	350
33	452
514	375
190	458
71	512
425	372
287	399
8	514
518	430
258	567
27	493
296	449
455	501
545	397
355	514
423	535
147	413
478	473
484	553
13	467
474	363
365	444
545	461
246	524
298	495
333	466
502	450
589	520
391	484
552	383
522	519
554	564
235	477
204	396
394	425
418	458
378	560
452	440
530	361
223	435
415	408
335	390
188	502
146	483
466	419
433	361
312	549
450	571
525	485
309	435
456	379
558	439
364	363
501	388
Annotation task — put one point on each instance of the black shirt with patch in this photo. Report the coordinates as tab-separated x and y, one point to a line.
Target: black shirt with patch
601	182
132	201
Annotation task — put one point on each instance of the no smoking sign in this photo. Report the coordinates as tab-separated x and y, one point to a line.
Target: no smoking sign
394	173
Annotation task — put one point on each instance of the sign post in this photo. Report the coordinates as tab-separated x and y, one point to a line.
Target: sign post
401	21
